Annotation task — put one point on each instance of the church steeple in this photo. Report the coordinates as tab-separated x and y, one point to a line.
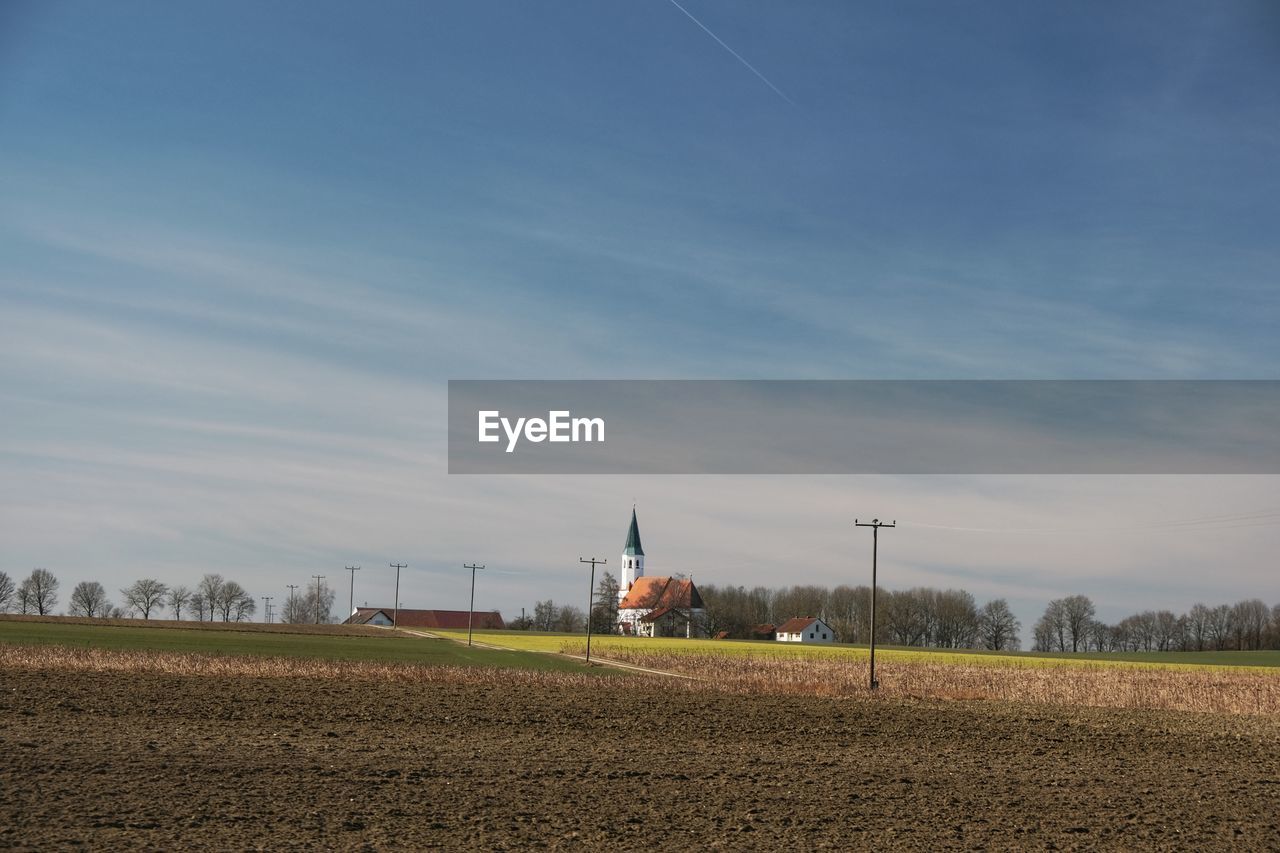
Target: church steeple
632	548
632	558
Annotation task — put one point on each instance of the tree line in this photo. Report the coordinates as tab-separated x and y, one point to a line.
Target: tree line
914	617
214	598
1069	625
921	616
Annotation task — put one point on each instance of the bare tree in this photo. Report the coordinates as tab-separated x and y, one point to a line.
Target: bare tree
200	606
210	590
998	627
1077	611
906	617
544	614
89	599
1044	635
313	605
145	595
570	619
233	602
295	610
955	620
178	598
1250	620
1220	627
243	607
1170	631
1197	627
6	591
39	592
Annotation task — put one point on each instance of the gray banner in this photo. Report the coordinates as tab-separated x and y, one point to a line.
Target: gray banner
864	427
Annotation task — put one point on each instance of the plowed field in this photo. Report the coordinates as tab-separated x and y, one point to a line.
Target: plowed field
159	761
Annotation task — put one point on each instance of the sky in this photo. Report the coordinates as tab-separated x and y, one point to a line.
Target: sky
243	247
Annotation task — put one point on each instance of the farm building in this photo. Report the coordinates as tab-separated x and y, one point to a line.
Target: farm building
456	619
654	606
805	629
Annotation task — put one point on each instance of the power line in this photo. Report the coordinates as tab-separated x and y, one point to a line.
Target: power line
1224	521
293	608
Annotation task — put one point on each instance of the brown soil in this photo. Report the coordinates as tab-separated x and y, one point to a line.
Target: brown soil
145	760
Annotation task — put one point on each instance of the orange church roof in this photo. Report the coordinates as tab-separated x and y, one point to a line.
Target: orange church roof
652	593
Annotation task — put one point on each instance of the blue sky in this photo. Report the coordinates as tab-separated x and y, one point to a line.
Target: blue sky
243	246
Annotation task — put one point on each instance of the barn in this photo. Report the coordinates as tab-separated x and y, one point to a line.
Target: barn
455	619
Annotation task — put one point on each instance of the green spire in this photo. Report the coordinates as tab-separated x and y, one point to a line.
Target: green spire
632	548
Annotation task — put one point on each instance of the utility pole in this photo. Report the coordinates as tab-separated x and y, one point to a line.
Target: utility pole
591	592
395	613
293	608
471	612
318	579
875	526
351	602
266	608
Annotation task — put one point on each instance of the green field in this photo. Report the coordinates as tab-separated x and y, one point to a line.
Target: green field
601	644
419	650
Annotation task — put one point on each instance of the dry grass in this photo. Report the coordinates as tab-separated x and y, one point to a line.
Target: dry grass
189	625
1226	690
62	658
1223	691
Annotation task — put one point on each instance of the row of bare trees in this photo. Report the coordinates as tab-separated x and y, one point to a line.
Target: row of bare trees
1068	624
213	598
921	616
38	593
549	616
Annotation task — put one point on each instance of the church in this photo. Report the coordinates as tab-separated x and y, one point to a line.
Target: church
654	606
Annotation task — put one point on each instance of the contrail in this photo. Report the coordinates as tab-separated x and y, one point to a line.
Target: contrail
736	55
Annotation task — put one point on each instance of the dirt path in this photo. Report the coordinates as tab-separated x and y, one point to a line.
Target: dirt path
167	762
595	659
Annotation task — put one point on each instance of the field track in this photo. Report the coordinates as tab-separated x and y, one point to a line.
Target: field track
110	759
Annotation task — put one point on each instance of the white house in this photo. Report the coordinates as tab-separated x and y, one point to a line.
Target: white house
805	629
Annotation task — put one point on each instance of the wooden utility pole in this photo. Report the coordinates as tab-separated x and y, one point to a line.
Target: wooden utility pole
318	579
875	526
351	600
471	612
293	608
395	614
266	608
591	591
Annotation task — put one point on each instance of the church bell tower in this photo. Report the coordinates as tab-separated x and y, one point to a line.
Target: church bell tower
632	558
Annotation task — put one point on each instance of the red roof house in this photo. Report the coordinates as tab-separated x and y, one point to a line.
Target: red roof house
455	619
